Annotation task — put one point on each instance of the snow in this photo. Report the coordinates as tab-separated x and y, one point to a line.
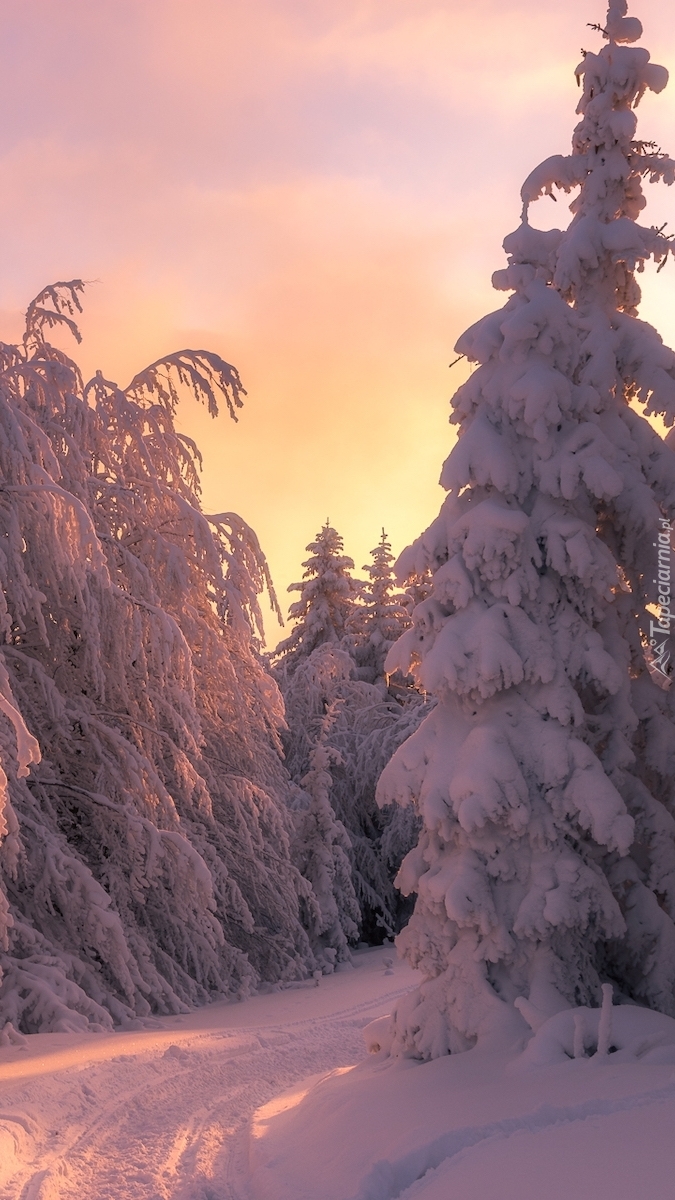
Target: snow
276	1098
160	1109
572	1153
479	1125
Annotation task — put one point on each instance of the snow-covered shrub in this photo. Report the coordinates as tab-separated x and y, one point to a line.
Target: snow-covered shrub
146	859
544	775
630	1034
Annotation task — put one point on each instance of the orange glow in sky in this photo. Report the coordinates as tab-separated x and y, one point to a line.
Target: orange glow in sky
315	189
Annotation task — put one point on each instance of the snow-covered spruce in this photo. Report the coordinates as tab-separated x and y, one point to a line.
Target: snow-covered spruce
322	856
380	618
364	732
544	774
333	661
145	863
328	593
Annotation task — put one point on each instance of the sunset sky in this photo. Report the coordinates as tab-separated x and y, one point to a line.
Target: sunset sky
315	189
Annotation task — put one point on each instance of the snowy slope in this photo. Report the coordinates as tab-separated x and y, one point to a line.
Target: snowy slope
478	1126
160	1111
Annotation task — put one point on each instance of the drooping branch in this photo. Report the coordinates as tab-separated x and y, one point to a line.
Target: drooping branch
206	375
65	301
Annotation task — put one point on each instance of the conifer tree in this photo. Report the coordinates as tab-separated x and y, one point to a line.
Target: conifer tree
381	617
322	856
328	595
333	662
544	775
363	733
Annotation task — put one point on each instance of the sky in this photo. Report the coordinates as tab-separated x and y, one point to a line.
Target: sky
318	191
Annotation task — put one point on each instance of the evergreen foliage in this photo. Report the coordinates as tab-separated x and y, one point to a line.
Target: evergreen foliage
381	617
328	594
333	663
364	731
322	856
544	775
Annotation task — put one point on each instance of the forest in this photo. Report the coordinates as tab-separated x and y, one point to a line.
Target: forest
467	746
485	724
428	837
195	819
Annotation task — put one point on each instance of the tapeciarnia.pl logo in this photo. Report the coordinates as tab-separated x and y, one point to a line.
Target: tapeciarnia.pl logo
659	631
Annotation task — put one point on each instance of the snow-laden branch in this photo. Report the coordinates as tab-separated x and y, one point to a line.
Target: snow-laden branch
146	863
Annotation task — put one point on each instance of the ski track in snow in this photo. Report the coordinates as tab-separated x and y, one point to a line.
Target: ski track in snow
168	1121
164	1113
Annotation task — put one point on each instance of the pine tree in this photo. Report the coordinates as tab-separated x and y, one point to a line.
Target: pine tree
328	595
544	773
363	733
146	859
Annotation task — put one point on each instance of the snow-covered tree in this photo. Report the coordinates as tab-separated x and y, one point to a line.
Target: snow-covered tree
544	775
381	617
364	730
333	662
146	858
328	595
322	856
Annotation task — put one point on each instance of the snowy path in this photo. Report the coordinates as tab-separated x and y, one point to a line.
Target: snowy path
161	1113
164	1113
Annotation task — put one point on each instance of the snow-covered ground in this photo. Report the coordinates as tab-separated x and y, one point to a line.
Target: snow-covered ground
162	1112
474	1126
276	1099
